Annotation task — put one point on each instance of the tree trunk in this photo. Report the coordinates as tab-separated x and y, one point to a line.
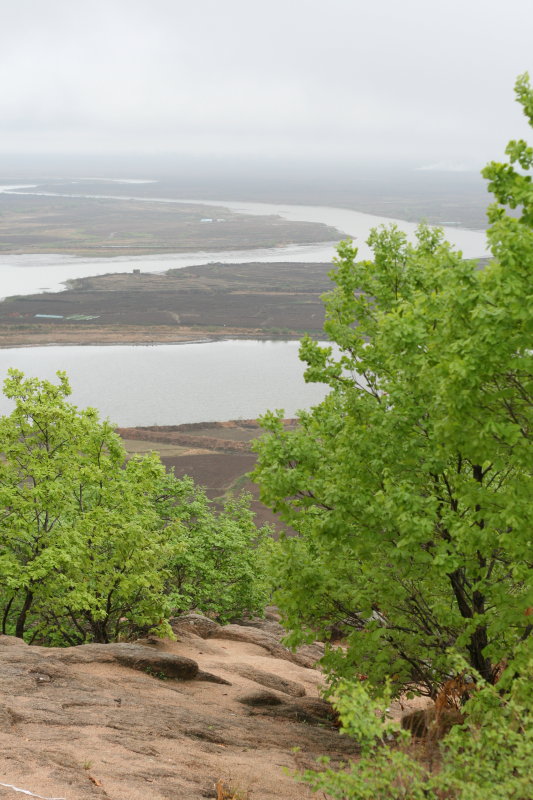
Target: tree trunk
478	640
21	619
99	630
6	614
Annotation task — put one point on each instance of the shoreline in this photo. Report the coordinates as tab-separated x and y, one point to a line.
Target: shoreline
132	338
126	250
258	301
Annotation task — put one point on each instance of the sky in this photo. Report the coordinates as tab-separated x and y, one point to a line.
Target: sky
423	81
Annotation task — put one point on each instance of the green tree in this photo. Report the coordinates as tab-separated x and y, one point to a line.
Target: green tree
410	485
97	547
490	756
219	564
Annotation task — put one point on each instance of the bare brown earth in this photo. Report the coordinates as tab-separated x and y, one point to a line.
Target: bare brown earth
252	300
217	455
163	720
110	227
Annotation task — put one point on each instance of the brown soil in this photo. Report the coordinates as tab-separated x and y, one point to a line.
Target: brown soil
216	455
215	471
31	335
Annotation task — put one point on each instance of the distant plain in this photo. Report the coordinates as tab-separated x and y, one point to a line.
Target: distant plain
111	227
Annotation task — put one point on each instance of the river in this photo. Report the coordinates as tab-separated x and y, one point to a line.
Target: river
29	274
176	383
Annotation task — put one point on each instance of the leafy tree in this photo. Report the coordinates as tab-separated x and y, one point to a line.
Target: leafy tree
490	756
220	560
410	485
97	547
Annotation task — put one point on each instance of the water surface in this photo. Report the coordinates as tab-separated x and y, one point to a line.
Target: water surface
31	273
174	384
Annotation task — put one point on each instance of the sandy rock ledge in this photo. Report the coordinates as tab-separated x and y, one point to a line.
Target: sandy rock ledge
163	720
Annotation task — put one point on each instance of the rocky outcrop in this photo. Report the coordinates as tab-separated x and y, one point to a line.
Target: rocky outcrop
194	623
311	710
260	698
269	680
160	719
134	656
262	633
306	656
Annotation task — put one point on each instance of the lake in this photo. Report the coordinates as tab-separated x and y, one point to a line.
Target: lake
176	383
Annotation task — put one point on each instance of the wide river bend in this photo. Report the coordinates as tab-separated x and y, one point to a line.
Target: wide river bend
173	384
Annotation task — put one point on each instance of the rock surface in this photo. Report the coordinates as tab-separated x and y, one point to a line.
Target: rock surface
269	679
194	623
147	721
305	656
260	698
135	656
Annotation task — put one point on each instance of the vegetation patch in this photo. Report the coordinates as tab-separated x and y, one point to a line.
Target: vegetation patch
409	488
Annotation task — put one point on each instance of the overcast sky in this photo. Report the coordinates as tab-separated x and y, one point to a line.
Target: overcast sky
388	79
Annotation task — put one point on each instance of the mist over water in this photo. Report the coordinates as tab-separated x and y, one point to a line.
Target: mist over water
409	189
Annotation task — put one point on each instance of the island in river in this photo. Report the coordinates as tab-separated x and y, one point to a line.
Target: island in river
110	226
252	301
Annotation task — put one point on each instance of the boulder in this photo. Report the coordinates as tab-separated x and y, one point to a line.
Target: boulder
11	641
161	665
266	624
194	623
134	656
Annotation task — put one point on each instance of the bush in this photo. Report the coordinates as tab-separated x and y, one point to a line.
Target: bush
96	547
490	756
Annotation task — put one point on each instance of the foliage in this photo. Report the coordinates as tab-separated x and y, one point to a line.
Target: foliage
409	486
97	547
490	756
219	565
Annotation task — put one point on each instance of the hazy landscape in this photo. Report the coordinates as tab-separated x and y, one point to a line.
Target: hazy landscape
158	298
266	400
390	189
252	300
276	293
40	224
